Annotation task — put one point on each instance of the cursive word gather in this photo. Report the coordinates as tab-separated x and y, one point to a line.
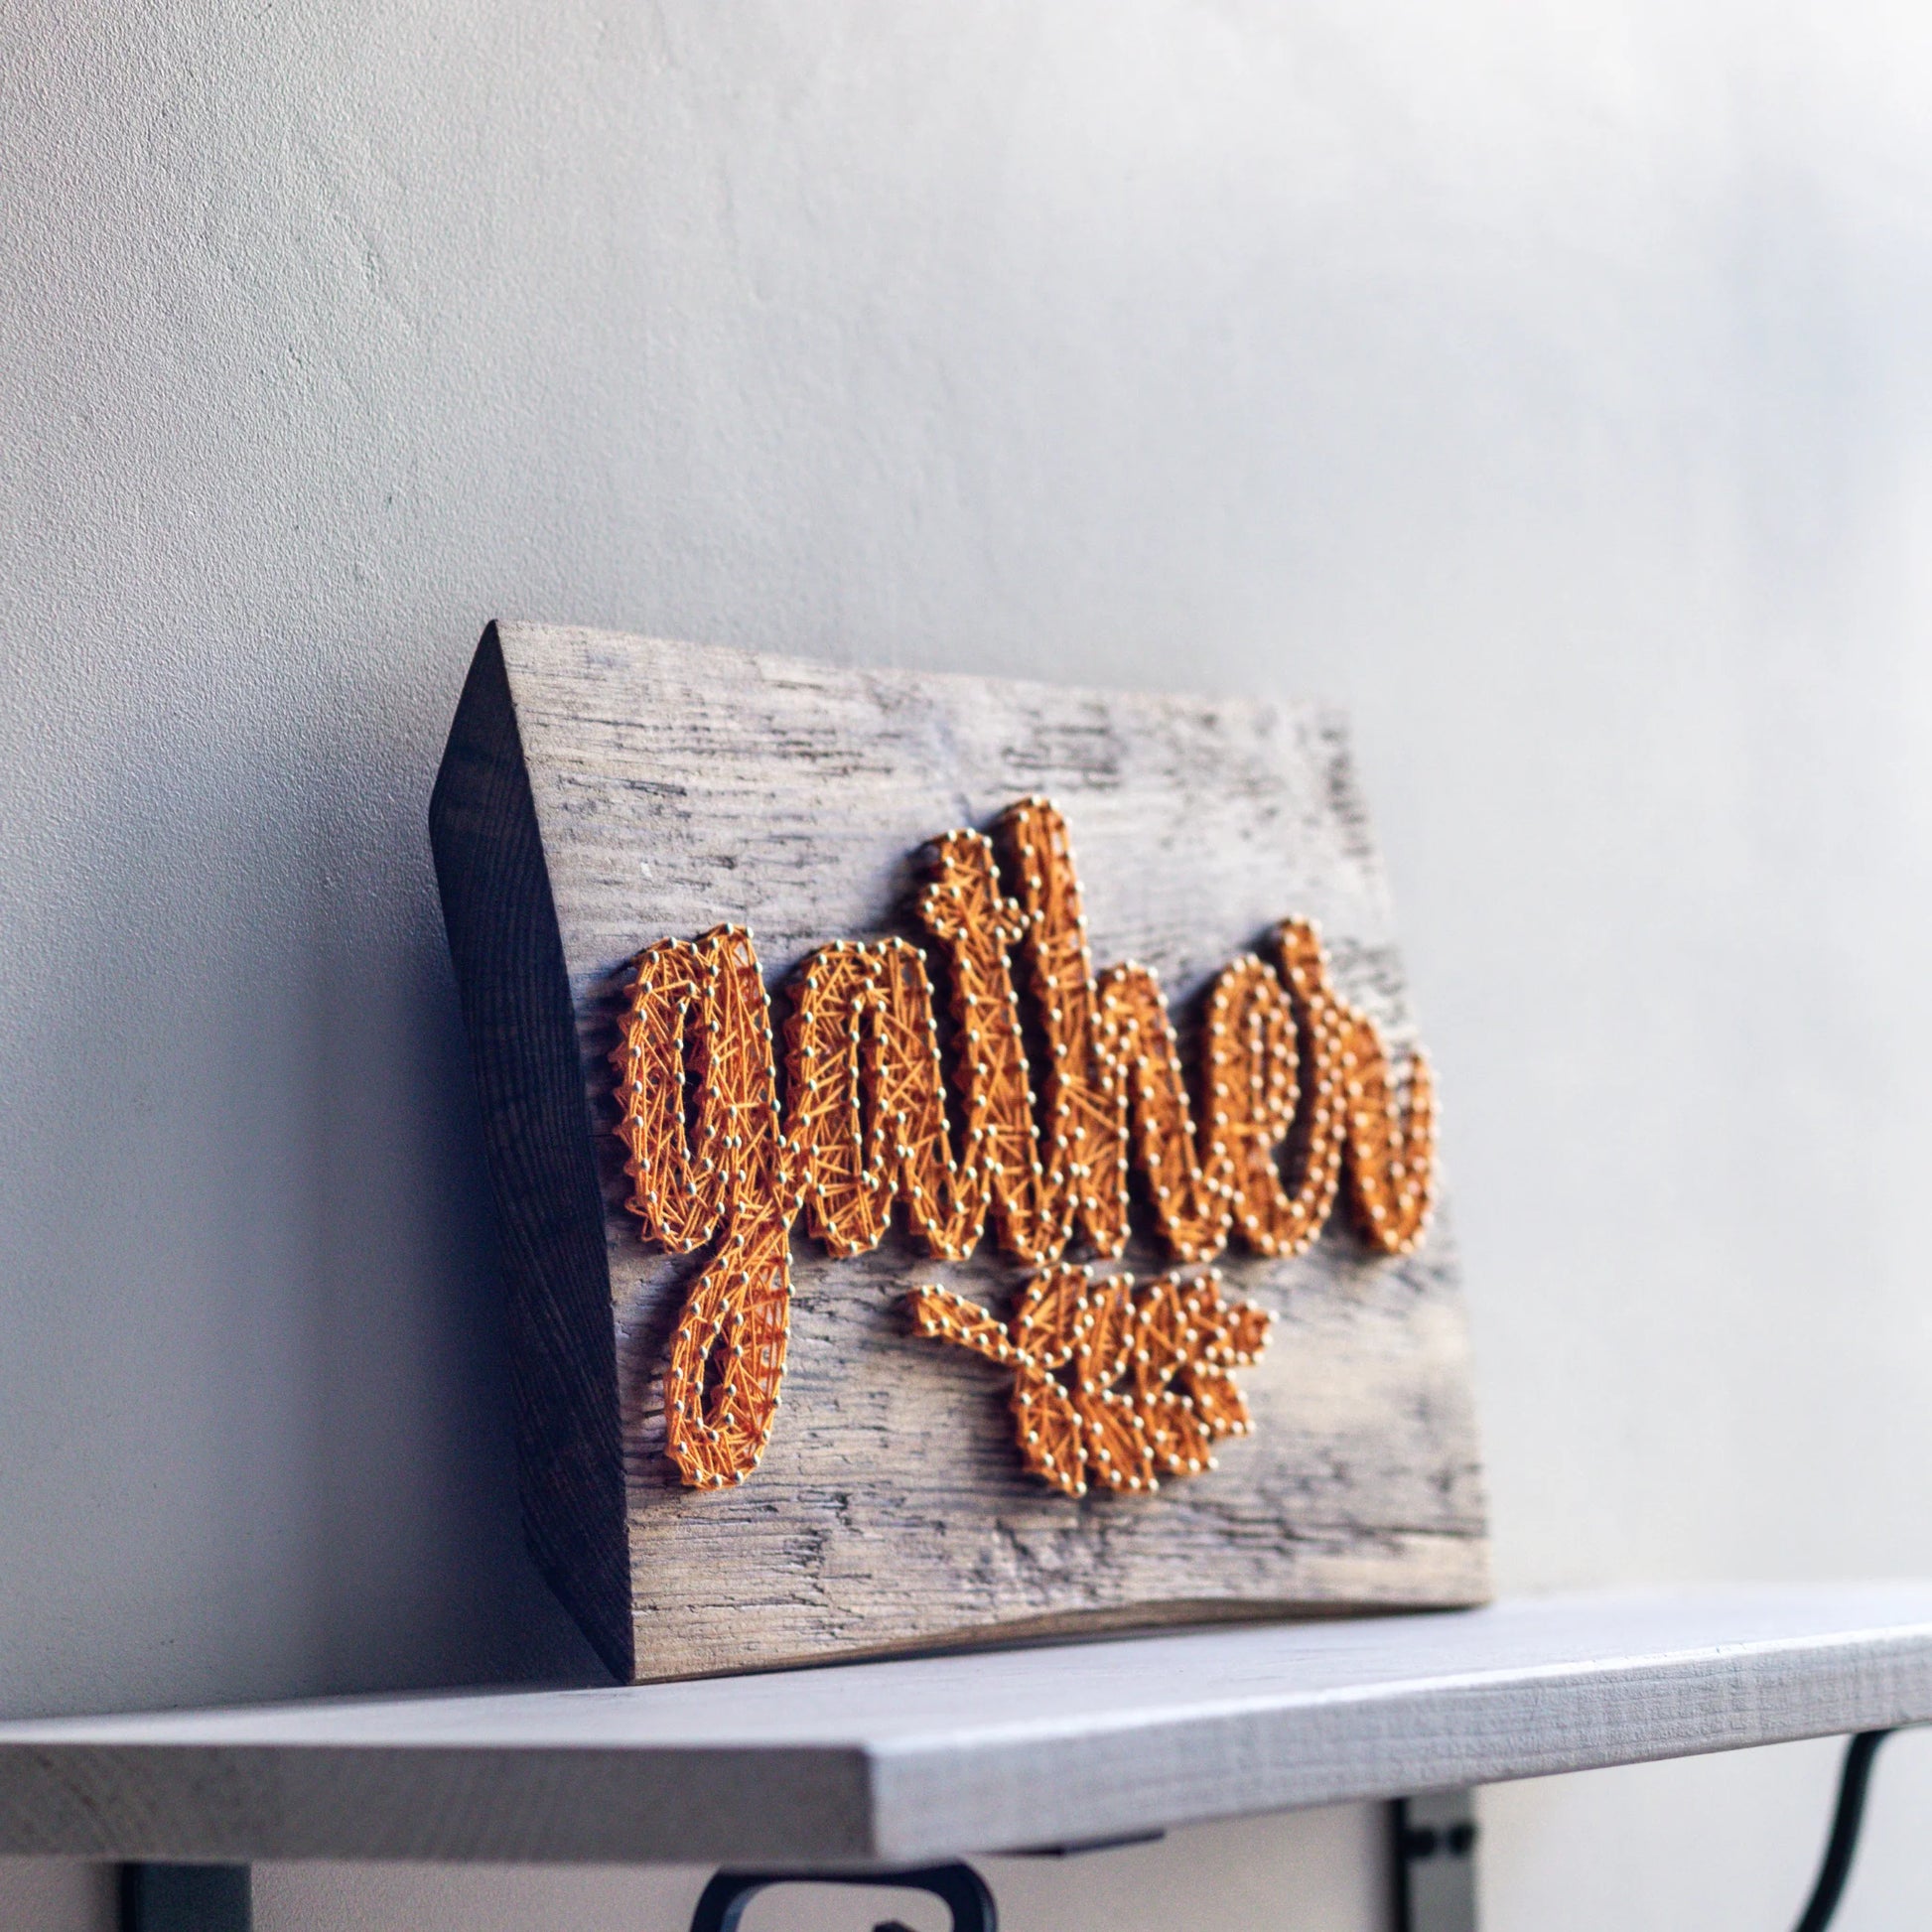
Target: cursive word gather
1284	1062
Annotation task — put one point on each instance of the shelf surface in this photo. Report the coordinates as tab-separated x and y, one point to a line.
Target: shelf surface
898	1762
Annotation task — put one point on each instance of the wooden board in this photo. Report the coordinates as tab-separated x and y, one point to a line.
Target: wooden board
935	1757
604	792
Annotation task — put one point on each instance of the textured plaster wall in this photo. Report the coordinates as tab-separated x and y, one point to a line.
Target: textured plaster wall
1547	383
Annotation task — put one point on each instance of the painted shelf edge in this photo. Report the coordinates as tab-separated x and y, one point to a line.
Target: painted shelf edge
918	1758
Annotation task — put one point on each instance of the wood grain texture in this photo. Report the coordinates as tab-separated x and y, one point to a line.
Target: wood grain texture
675	787
516	1010
941	1757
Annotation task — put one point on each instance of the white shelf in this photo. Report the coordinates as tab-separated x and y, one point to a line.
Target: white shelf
938	1756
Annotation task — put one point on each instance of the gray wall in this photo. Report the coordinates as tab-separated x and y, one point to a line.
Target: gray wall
1551	385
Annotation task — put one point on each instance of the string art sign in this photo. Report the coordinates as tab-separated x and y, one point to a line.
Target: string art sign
964	1163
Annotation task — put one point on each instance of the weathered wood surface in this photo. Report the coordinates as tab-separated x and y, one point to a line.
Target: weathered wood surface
933	1757
675	787
517	1011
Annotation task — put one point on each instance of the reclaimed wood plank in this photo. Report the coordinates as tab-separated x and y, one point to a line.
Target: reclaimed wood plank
673	787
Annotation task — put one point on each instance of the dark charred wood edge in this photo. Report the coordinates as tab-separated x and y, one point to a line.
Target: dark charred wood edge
537	1133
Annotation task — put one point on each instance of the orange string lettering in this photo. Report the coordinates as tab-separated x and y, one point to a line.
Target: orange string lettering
1113	1383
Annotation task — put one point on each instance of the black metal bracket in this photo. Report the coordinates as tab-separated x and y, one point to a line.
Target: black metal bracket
186	1898
1434	1862
722	1903
1435	1842
1844	1840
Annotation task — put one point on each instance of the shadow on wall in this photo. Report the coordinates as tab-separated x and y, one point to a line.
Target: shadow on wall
259	1391
424	1573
